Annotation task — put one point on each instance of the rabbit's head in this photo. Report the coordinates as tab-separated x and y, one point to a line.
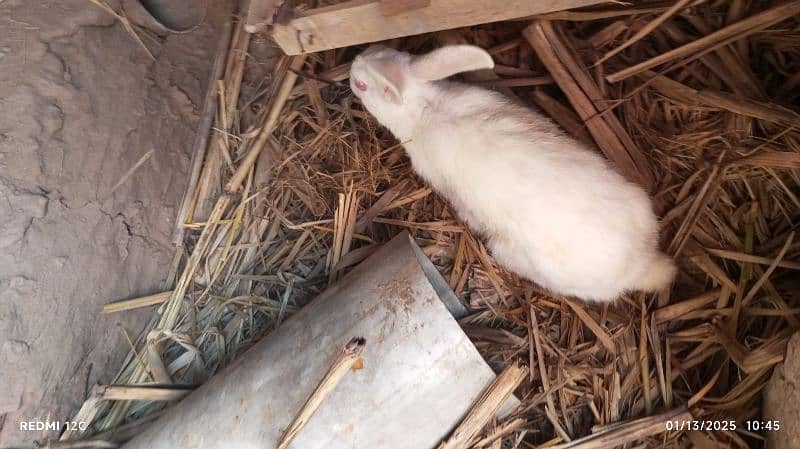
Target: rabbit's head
388	81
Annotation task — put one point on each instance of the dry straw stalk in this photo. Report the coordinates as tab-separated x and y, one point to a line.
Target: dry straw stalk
348	359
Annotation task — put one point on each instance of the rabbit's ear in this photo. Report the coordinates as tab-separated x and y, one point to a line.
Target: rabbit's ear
389	77
449	60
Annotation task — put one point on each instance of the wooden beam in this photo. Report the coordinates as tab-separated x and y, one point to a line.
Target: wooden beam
361	21
395	7
261	14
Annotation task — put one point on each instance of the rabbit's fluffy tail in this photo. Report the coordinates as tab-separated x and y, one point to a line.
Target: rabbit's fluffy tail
658	276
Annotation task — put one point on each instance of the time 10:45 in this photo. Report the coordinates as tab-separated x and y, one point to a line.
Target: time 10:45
757	425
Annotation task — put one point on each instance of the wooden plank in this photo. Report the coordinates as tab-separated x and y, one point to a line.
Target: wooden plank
361	21
395	7
261	14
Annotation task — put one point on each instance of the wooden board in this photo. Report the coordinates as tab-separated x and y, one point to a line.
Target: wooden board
395	7
361	21
260	14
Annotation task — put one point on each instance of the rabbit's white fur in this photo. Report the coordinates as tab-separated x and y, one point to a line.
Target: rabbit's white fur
550	208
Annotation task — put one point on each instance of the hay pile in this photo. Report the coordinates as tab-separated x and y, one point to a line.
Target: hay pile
694	99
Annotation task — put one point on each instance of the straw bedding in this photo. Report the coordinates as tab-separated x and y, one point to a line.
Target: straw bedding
682	96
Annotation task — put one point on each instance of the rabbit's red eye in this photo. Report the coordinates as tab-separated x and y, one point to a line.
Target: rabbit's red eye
360	85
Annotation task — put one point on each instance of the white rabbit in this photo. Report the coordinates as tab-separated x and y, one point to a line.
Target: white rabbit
550	208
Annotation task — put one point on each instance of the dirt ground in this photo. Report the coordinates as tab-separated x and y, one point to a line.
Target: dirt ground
80	104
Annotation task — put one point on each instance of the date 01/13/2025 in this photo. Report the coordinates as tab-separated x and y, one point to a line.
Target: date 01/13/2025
751	425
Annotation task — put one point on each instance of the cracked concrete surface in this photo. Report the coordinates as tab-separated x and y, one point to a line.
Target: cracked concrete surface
81	103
